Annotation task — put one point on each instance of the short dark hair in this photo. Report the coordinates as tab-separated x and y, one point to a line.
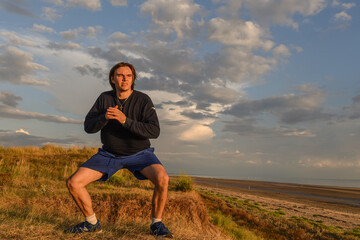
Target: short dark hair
119	65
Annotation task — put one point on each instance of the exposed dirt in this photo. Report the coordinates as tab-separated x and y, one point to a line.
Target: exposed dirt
333	206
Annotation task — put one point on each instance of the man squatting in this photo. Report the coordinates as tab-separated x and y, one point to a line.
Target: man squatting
126	119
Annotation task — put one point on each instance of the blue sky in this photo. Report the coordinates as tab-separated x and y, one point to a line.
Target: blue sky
243	89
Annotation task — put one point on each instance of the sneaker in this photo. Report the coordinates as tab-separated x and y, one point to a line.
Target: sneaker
84	227
159	229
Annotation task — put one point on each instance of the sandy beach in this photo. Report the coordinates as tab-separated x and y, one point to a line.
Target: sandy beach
333	206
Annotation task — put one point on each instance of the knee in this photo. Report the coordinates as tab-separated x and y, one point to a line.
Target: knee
69	183
163	180
72	185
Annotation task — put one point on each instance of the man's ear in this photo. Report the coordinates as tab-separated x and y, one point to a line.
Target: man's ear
112	79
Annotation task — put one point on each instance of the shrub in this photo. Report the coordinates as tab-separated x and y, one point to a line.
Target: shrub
116	180
183	183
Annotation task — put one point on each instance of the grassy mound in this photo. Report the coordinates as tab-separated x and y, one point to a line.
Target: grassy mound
35	204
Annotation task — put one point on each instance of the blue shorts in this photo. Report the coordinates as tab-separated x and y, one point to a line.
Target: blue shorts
109	164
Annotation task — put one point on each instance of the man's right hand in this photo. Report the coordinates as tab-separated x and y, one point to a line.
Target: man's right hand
115	113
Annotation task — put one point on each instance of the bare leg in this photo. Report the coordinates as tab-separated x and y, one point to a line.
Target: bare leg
156	173
76	185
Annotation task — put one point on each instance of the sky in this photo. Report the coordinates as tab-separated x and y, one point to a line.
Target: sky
243	89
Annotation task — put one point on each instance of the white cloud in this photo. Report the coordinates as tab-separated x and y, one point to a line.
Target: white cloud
238	65
50	14
22	131
268	45
119	37
41	28
213	93
89	32
297	48
348	5
335	3
235	153
22	138
118	2
61	46
342	17
92	31
297	133
163	96
236	32
93	5
18	67
16	40
172	14
197	133
10	112
145	74
282	11
281	50
71	34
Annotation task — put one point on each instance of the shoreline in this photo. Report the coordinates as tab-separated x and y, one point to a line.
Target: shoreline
342	195
334	206
342	183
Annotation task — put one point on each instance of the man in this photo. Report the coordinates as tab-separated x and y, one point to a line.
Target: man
126	119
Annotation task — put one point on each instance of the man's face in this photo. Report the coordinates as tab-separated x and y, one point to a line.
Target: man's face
123	79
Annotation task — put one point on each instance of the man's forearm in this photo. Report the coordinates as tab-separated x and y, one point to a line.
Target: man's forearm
95	123
145	130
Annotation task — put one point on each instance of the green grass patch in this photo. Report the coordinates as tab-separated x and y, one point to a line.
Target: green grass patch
354	232
317	224
279	212
230	227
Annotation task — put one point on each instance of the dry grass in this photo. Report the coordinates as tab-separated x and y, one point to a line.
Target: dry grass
35	204
123	213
